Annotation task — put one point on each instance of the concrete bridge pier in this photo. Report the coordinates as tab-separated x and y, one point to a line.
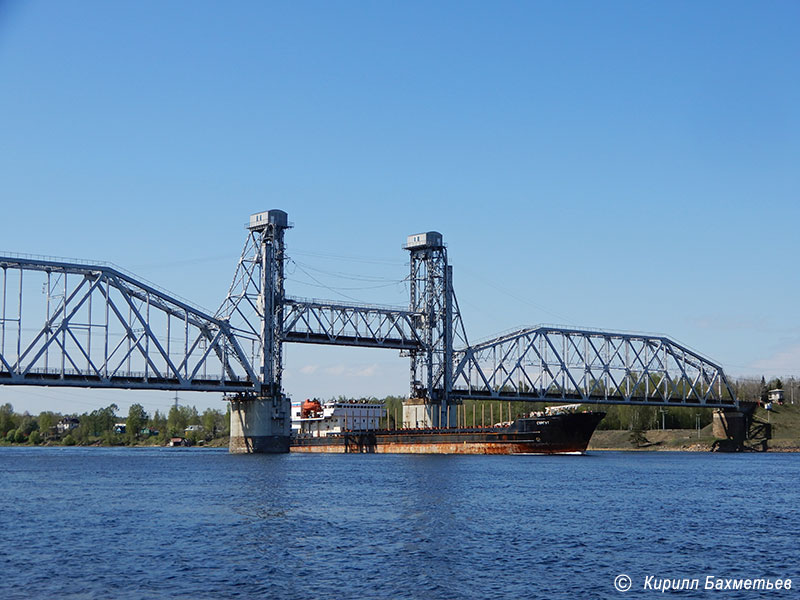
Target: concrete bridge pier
740	430
260	425
422	413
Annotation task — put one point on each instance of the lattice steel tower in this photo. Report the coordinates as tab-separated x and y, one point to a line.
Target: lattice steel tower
255	302
254	307
272	296
431	290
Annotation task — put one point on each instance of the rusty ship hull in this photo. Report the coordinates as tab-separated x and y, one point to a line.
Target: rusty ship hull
554	434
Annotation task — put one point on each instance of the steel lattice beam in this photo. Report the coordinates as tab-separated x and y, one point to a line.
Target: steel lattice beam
552	363
320	322
95	326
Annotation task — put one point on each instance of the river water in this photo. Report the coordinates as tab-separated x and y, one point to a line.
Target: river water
201	523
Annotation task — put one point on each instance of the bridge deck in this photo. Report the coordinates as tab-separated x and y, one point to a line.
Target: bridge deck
127	381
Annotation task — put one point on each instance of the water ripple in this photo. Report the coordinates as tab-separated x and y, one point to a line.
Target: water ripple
120	523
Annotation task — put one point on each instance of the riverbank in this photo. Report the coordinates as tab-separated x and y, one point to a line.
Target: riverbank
681	440
784	420
220	442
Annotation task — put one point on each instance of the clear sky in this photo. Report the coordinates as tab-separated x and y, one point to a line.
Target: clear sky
617	165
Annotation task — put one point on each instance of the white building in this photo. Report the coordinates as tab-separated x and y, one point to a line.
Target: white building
775	396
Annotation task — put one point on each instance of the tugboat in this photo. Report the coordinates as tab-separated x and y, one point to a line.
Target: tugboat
353	427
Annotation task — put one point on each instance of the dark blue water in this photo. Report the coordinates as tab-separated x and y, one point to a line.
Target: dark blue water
169	523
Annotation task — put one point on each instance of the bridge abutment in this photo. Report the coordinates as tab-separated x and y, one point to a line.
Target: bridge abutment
740	430
260	426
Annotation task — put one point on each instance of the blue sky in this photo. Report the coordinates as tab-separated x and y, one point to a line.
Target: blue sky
618	165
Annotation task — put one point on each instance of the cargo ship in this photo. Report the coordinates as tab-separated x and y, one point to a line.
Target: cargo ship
353	427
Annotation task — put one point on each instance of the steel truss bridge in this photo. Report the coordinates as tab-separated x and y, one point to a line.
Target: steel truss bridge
94	325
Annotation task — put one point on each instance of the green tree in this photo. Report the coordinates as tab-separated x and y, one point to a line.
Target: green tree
7	420
192	416
158	422
96	424
776	384
136	421
210	423
47	420
27	424
192	436
101	420
84	429
215	423
179	418
11	435
35	437
20	437
225	426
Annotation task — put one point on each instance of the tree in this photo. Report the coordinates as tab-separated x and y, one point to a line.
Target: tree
210	422
137	419
776	384
7	421
99	421
158	422
47	420
27	424
178	419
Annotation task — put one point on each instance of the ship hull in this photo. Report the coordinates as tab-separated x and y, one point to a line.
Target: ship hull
555	434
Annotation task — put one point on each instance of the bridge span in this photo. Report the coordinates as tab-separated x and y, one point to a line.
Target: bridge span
75	324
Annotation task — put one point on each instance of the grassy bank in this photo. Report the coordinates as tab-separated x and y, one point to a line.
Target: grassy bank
785	421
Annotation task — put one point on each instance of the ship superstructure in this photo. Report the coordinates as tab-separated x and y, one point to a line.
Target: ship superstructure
313	418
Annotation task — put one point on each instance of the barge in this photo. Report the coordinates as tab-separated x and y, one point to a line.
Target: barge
342	427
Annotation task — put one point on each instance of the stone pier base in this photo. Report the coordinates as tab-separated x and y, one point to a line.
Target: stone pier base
260	426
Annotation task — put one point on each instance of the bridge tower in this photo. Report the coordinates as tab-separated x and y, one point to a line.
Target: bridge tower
431	290
261	422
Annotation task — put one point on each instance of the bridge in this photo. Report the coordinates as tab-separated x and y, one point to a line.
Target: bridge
75	324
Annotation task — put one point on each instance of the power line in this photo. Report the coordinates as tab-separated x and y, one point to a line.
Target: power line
342	275
360	259
335	290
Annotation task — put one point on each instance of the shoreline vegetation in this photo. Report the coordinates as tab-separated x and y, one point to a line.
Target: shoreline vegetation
181	426
639	428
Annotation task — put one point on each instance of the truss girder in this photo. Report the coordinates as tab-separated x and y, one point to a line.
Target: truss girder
548	363
82	325
92	325
318	322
